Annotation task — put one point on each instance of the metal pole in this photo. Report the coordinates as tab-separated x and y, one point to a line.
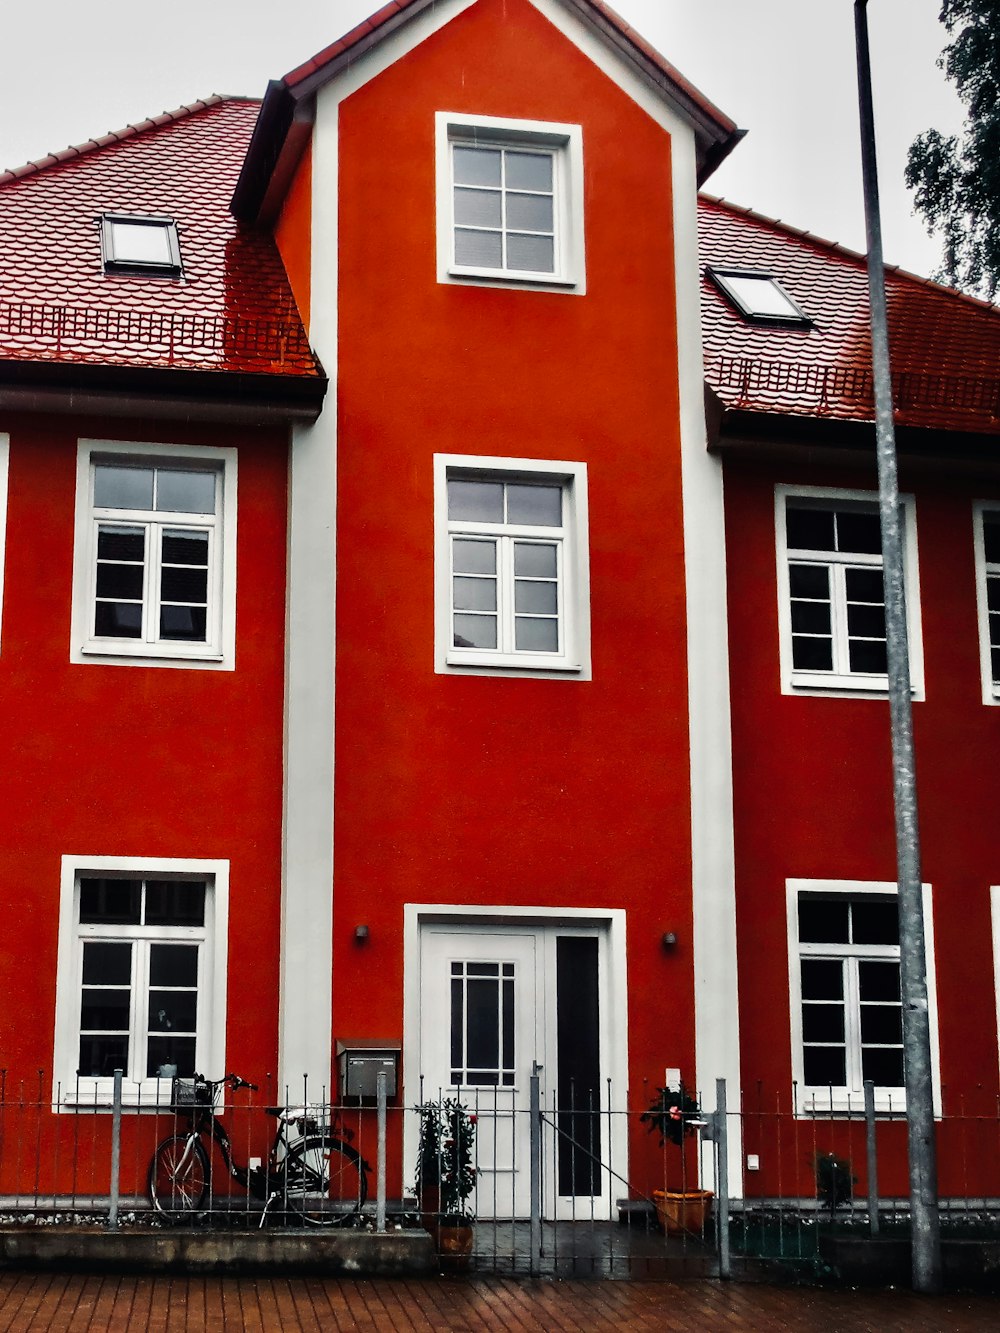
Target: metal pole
872	1157
722	1177
535	1113
913	968
380	1160
116	1149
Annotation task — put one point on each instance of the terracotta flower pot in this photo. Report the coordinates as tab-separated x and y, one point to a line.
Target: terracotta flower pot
454	1247
684	1213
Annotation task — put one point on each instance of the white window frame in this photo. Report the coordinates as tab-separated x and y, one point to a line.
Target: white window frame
154	268
846	684
219	652
69	1090
822	1101
4	467
574	583
566	144
991	690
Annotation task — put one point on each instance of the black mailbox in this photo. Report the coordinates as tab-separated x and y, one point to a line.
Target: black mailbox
360	1063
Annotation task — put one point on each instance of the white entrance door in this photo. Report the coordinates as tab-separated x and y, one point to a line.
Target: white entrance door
495	1002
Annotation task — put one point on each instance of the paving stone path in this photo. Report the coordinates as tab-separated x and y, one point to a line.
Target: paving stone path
74	1303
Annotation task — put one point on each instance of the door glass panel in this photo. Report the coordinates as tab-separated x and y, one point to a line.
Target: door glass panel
482	1024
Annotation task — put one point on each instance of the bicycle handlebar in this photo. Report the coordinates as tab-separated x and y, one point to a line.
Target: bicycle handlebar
234	1081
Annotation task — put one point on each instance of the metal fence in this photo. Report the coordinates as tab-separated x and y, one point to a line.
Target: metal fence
559	1183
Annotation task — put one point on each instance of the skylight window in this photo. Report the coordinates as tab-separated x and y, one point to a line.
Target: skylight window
759	297
140	245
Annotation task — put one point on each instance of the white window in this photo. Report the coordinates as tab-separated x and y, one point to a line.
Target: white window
155	555
831	591
141	982
140	244
845	994
987	548
510	202
511	566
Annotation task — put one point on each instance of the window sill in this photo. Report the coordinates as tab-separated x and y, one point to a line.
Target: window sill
124	653
503	662
96	1095
525	281
824	1103
833	686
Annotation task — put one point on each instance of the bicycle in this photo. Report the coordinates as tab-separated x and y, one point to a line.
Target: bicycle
312	1171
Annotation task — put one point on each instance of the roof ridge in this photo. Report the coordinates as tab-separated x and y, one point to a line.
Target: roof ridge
821	242
75	151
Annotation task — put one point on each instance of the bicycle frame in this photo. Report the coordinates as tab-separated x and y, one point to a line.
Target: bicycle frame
258	1181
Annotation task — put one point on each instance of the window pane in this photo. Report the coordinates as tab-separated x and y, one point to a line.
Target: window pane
164	1052
185	492
173	1010
482	1049
475	502
528	171
991	538
823	1022
864	585
530	212
993	592
823	920
140	243
534	561
183	623
123	581
809	529
882	1024
110	901
859	532
809	581
878	980
531	254
123	487
536	636
823	1065
811	618
537	506
539	598
475	594
118	620
812	654
469	557
104	1010
107	963
479	208
883	1067
183	585
101	1056
175	903
475	631
867	655
995	664
476	166
185	548
478	249
173	965
822	979
874	922
865	621
121	544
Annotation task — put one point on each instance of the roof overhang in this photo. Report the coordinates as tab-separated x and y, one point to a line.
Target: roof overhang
188	395
286	115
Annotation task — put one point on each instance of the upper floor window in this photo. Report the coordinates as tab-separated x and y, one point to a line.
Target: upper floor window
510	202
139	244
832	592
511	565
155	553
987	546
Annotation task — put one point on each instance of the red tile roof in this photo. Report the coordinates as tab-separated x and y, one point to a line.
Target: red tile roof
945	346
232	310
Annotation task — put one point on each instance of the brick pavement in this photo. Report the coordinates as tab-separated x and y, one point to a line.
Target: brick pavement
73	1303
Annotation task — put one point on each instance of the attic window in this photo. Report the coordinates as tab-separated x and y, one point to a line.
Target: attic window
759	297
140	245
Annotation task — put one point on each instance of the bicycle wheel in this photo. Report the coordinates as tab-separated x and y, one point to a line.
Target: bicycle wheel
325	1181
178	1176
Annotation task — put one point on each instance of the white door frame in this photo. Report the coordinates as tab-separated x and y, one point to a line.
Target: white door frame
614	1004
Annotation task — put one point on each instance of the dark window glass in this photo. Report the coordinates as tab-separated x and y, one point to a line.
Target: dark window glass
104	1010
878	980
166	1051
101	1056
457	1025
120	581
991	538
809	529
822	920
822	979
106	963
185	548
823	1022
867	655
858	532
865	622
175	902
824	1065
121	544
875	922
883	1066
811	618
110	901
483	969
118	620
184	585
173	1011
482	1025
865	585
173	964
812	654
882	1024
993	592
809	581
183	623
508	1024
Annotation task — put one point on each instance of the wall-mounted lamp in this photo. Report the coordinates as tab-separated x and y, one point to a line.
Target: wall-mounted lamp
669	939
361	934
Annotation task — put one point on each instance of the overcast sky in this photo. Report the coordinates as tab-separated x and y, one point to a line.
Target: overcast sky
783	69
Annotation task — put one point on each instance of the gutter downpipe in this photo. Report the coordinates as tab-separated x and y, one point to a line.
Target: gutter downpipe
925	1219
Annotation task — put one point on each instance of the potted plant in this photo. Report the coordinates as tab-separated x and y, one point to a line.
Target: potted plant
446	1177
674	1114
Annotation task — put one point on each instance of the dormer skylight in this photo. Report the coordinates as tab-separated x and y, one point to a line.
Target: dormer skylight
138	244
759	297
